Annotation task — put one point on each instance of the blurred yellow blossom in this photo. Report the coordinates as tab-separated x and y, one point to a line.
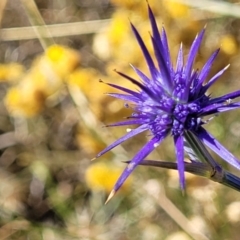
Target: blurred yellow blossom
228	44
102	176
24	103
87	140
84	78
44	79
119	27
11	72
87	80
61	59
120	39
176	9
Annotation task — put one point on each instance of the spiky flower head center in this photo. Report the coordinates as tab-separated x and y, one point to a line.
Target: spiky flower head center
176	117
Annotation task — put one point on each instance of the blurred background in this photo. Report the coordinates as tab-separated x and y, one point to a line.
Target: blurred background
53	107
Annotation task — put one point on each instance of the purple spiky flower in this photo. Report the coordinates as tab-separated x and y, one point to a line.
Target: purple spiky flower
171	101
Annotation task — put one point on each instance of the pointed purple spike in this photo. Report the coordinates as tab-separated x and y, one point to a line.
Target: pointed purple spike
205	70
140	85
144	152
166	48
154	26
179	148
194	79
132	133
179	64
207	67
167	83
210	109
228	107
161	53
143	77
192	54
146	54
161	41
213	79
148	81
128	122
220	150
225	97
125	97
218	107
135	94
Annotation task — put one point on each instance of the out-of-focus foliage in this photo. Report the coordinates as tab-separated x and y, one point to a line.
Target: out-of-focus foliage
43	80
51	116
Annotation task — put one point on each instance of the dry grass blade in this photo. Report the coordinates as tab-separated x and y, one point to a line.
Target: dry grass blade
223	8
38	23
56	30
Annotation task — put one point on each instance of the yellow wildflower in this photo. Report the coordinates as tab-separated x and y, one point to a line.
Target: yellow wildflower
102	177
24	103
119	28
11	72
88	140
228	44
61	59
44	79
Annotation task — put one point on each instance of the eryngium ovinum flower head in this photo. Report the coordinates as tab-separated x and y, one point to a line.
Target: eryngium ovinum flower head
171	101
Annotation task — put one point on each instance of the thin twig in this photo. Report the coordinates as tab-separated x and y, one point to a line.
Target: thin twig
38	23
219	7
56	30
2	6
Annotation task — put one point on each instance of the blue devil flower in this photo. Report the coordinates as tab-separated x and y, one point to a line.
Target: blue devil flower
171	101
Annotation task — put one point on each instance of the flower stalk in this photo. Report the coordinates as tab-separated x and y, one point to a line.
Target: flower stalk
202	163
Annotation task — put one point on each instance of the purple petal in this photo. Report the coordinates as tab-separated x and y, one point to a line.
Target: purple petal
218	107
220	150
164	68
128	122
194	80
214	79
192	54
144	88
179	64
161	51
132	133
124	97
166	48
206	69
146	54
135	94
226	97
144	152
156	87
179	149
139	116
143	77
161	41
156	34
228	107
